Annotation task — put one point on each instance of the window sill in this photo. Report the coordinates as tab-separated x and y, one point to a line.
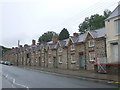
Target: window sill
73	62
60	62
42	61
72	49
91	61
50	62
91	46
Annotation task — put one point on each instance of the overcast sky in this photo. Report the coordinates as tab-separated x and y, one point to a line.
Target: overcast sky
25	20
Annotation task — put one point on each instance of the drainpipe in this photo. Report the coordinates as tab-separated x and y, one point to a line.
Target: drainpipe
85	56
67	58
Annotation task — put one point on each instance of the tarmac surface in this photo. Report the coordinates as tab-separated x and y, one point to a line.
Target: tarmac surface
17	77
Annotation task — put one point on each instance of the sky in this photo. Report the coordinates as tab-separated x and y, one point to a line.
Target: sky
25	20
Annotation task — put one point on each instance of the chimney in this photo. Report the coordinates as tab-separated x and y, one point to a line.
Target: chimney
33	42
26	45
12	47
55	38
20	46
75	34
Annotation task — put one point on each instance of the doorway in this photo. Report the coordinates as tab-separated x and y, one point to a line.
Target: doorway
81	61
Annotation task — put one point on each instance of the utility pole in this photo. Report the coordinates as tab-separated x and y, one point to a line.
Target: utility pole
18	43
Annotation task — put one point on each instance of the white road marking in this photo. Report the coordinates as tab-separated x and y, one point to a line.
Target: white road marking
14	82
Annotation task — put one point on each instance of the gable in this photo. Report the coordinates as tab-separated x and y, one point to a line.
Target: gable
70	41
89	36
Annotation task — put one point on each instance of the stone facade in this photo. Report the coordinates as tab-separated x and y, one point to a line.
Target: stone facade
73	53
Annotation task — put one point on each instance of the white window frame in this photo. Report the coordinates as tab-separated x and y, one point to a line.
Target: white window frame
93	43
60	49
42	50
72	59
42	59
49	59
72	47
91	56
60	59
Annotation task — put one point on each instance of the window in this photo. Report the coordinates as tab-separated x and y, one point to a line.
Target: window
91	43
60	49
60	59
72	58
42	50
42	59
49	60
91	56
72	47
117	26
115	52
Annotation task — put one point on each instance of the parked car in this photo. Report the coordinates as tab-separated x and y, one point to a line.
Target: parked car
8	63
2	62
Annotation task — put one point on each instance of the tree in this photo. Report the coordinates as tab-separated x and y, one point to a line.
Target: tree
64	34
46	37
95	21
84	26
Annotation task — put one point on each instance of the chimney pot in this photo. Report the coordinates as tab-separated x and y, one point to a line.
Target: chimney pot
75	34
33	42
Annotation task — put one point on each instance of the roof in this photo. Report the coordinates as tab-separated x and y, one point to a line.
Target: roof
52	46
74	38
98	33
82	37
95	33
115	13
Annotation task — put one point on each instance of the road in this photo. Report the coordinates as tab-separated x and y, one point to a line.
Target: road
16	77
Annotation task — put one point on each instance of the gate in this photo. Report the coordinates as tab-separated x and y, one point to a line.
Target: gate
101	63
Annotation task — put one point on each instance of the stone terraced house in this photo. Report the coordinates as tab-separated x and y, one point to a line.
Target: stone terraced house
75	53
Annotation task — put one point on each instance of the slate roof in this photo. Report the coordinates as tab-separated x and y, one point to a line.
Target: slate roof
82	37
98	33
95	33
63	42
52	45
75	39
115	13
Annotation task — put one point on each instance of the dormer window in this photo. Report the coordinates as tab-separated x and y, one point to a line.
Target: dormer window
91	43
72	47
42	50
60	49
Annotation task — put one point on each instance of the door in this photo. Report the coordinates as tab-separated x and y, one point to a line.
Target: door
115	53
54	62
39	61
82	62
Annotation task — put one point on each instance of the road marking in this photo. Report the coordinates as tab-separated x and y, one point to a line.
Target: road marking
14	82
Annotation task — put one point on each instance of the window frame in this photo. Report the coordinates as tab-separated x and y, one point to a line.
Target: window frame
116	25
72	47
91	58
60	49
60	59
93	43
72	59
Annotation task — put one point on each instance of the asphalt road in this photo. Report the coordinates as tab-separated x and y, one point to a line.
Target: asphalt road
16	77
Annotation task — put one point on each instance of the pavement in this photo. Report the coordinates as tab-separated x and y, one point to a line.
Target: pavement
84	74
19	77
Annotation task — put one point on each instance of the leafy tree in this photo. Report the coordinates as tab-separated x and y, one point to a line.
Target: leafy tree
46	37
95	21
84	26
64	34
